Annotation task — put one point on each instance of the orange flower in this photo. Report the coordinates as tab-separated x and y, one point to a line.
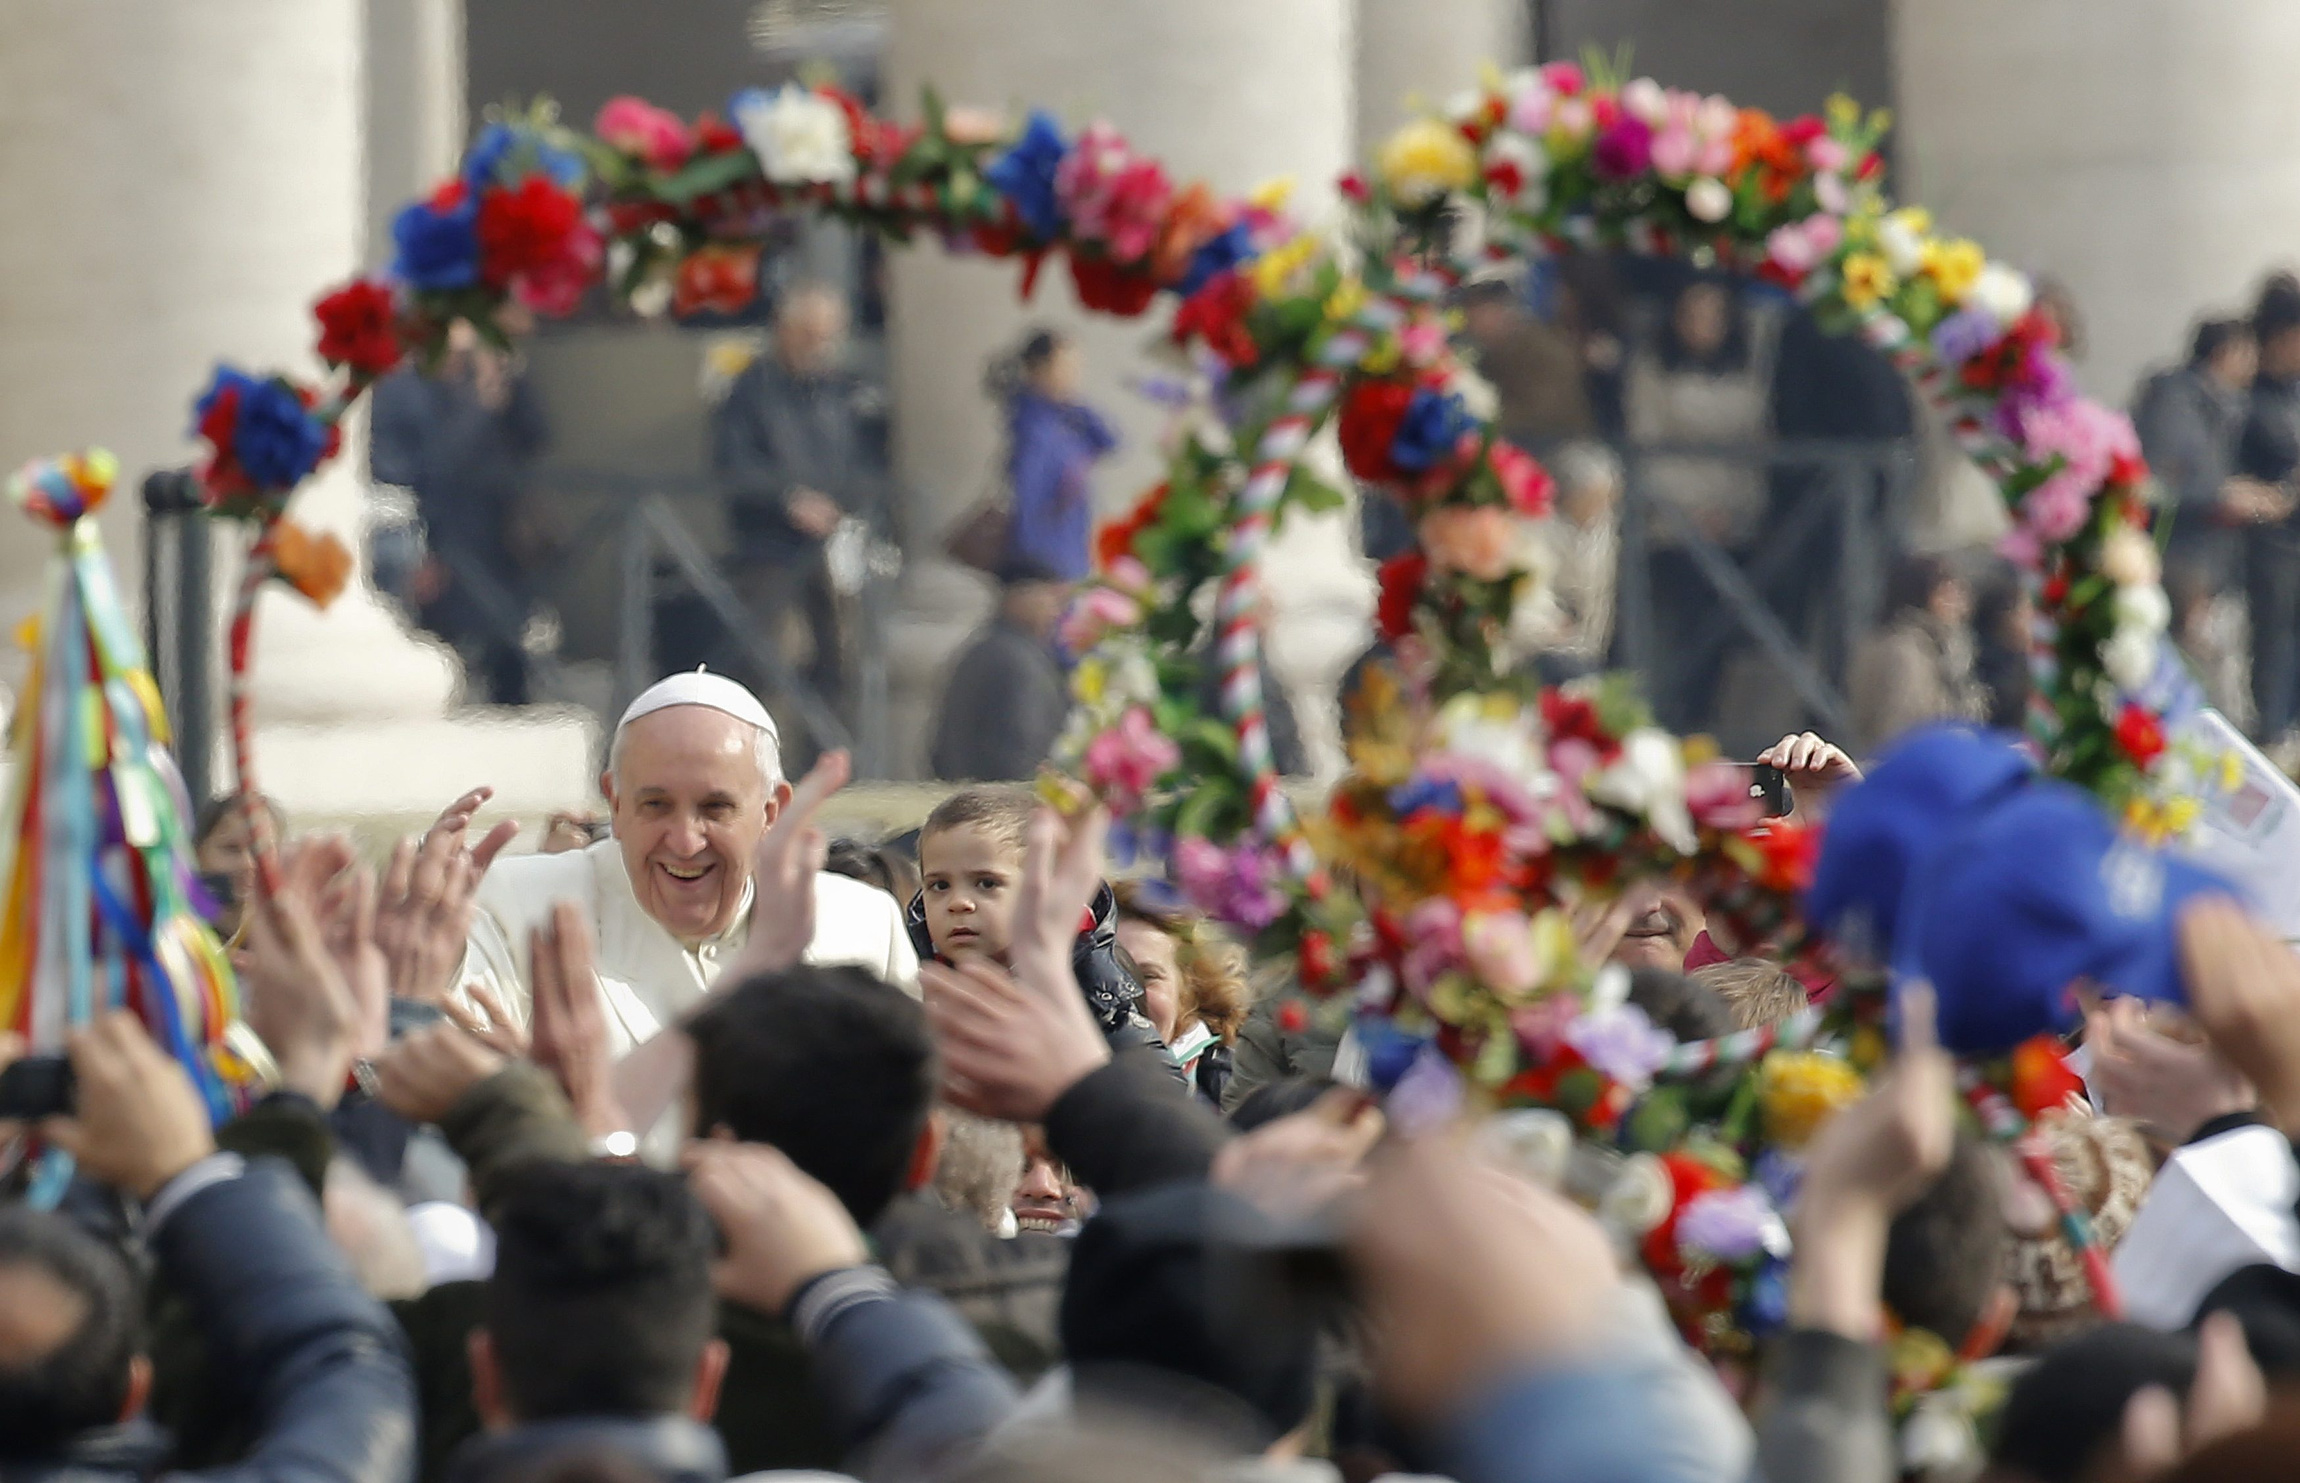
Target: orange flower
317	566
1194	219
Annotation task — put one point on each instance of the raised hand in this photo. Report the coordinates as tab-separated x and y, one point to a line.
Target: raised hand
2244	989
2168	1083
782	1227
294	992
1814	768
426	1073
1008	1052
569	1027
424	914
1869	1163
137	1122
1469	1273
1295	1166
783	875
1062	866
346	911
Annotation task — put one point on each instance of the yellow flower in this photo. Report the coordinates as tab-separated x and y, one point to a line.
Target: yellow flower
1088	680
1914	219
1955	264
1343	304
2158	820
1274	271
1426	159
1801	1090
1867	280
1844	114
1272	194
1920	1361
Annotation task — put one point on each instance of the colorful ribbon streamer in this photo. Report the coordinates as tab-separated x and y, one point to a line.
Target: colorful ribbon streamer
98	907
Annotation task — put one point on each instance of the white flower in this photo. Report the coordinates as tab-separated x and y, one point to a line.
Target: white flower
2144	608
1532	162
1464	104
1477	394
1716	118
799	136
1534	1142
1644	99
1902	244
1829	190
1707	199
1508	744
1648	779
2129	658
2002	293
1638	1199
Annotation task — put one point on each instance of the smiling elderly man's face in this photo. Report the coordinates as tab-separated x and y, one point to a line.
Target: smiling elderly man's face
691	804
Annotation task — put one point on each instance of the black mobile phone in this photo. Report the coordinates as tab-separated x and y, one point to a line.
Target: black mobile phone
1770	787
35	1087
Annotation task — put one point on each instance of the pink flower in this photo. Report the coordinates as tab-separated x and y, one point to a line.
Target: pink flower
1717	795
1479	541
1422	342
1827	155
1499	947
1716	156
1531	110
1124	762
1564	78
1433	944
2058	508
1675	151
1524	482
1829	190
1574	118
2021	547
1095	613
1824	232
635	126
1240	886
1129	575
1788	248
1112	195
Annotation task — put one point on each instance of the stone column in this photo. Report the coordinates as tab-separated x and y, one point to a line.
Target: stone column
1422	52
2140	151
199	177
1237	94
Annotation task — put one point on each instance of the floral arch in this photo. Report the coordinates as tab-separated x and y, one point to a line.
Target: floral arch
1438	881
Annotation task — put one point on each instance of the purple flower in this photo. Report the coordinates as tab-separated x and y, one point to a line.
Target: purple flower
1622	1043
1428	1096
1964	335
1625	150
1732	1226
1241	886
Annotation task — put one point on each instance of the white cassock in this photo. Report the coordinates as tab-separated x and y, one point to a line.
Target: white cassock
647	977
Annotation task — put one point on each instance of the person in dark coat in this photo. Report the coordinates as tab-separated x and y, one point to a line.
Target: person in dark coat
787	448
1007	700
2269	451
463	440
2191	422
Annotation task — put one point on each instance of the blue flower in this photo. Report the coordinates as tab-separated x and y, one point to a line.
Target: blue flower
484	161
1768	1303
1390	1052
278	441
1025	174
1433	423
1443	795
1219	255
1964	335
438	248
274	438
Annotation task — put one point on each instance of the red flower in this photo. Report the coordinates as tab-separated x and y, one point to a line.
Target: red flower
1292	1018
1316	960
1353	188
359	328
1689	1179
1573	718
531	229
1370	417
1116	539
2041	1079
1402	577
1505	176
719	276
1104	285
714	135
2140	733
1217	314
1801	131
1788	853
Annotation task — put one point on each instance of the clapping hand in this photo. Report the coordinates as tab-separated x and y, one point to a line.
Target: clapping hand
295	994
570	1028
424	915
427	1072
2170	1084
137	1122
783	875
782	1228
2244	989
1014	1040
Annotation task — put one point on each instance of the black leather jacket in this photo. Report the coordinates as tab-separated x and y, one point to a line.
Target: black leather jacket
1105	975
670	1449
319	1359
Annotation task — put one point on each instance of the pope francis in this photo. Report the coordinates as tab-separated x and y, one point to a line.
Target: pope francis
694	778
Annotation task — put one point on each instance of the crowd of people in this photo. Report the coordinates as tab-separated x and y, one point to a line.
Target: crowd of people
707	1149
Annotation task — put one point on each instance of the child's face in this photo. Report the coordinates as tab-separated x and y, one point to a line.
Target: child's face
970	876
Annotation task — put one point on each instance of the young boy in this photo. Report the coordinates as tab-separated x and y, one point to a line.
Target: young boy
970	861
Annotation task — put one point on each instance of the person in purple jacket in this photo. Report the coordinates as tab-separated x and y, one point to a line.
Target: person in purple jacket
1053	442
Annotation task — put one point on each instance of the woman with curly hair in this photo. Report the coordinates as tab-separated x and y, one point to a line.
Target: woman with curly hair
1193	981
